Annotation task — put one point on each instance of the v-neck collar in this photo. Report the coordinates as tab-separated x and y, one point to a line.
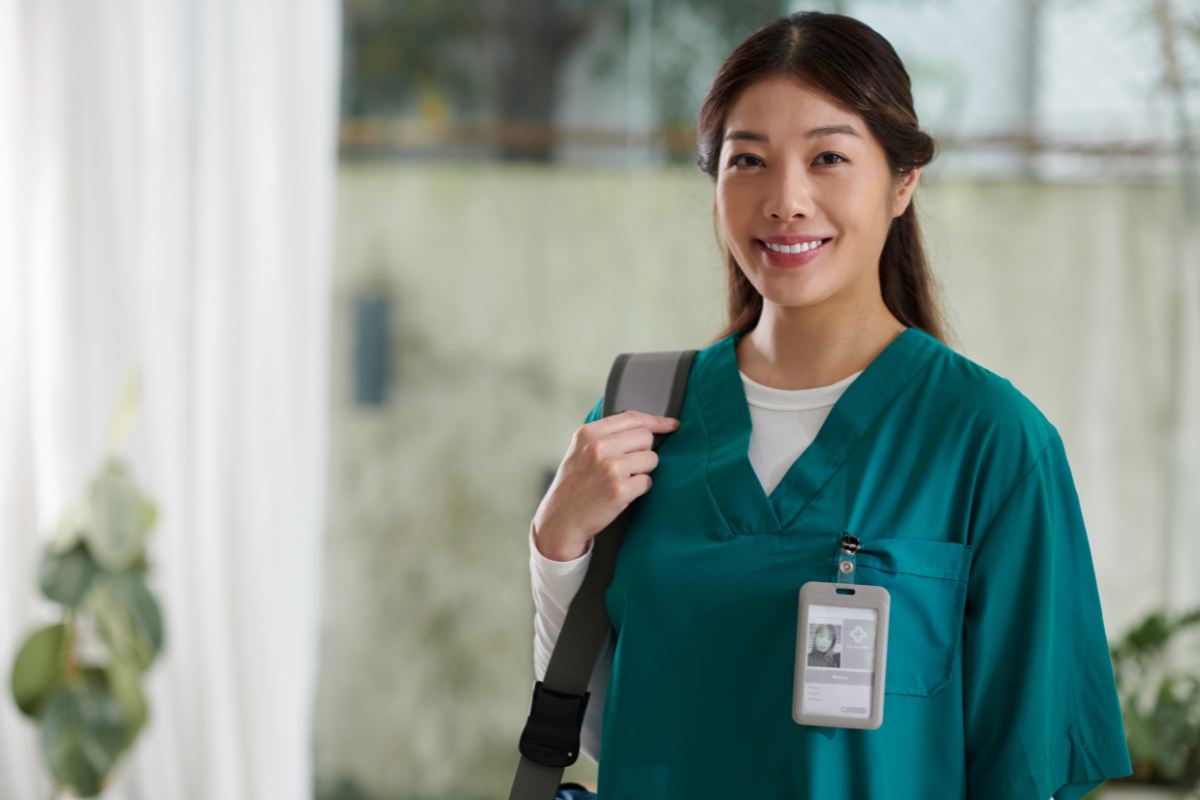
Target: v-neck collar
739	493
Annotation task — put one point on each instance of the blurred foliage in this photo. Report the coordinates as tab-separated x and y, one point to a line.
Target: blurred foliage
91	709
1161	708
394	50
502	62
340	788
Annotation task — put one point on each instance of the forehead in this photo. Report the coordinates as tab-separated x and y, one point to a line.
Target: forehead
782	107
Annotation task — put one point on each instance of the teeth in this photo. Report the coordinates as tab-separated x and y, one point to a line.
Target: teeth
793	248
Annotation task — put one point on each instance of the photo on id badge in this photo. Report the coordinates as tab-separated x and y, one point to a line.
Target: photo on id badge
841	655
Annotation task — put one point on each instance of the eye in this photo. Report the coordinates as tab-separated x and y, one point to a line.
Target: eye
734	161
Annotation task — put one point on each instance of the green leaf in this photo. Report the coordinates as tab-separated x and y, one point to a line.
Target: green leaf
124	681
71	526
38	669
66	577
1151	636
128	618
83	733
121	518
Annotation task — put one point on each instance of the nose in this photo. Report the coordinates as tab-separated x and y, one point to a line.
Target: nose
788	195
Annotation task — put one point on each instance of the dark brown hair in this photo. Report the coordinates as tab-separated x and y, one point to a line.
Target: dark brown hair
854	66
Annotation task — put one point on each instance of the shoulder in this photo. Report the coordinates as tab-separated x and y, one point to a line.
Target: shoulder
970	397
986	426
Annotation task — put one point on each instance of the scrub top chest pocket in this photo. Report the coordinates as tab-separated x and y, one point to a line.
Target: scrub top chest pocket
927	581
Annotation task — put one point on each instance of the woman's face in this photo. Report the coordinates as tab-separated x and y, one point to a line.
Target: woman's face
823	639
781	180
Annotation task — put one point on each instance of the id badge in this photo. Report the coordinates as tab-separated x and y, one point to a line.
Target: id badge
841	655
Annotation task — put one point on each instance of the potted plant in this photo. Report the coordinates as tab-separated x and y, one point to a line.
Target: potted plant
80	678
1161	709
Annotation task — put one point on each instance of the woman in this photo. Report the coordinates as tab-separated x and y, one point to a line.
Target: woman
822	653
830	403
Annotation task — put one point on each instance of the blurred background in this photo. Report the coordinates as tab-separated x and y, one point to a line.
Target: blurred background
301	302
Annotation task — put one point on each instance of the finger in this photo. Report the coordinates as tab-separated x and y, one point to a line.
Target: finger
638	462
630	440
633	418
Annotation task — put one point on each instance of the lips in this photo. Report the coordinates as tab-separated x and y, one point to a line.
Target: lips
791	260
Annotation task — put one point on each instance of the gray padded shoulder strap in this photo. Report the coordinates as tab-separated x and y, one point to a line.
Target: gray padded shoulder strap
649	382
654	383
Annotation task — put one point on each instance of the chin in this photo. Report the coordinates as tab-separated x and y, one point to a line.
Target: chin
797	297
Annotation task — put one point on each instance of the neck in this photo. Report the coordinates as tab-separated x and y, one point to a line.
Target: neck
805	350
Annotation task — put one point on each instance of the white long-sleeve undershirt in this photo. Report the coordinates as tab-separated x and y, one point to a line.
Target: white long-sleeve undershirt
784	423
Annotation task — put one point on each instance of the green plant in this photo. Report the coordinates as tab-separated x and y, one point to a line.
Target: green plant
83	689
1161	708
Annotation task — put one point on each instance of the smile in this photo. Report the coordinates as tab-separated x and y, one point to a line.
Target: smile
786	256
795	248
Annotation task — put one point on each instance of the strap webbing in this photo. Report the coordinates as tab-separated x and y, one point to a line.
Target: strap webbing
654	383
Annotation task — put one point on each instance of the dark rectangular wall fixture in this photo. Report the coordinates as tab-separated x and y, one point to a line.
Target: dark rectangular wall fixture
372	349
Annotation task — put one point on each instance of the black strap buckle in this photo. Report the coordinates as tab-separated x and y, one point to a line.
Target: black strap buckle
551	734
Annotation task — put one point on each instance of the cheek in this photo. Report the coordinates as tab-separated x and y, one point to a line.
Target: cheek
862	208
734	197
733	215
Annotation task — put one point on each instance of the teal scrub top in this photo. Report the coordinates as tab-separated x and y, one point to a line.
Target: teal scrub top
998	680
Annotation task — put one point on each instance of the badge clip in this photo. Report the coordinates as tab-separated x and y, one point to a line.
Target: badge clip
845	559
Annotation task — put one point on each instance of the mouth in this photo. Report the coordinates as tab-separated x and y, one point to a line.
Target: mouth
797	255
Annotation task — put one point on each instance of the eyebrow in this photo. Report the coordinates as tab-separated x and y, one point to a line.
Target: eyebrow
815	133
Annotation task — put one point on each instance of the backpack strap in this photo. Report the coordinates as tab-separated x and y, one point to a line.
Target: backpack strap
654	383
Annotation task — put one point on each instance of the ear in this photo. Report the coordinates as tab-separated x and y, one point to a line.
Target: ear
904	190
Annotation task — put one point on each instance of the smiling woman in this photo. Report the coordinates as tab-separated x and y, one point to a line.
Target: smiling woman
806	211
830	407
809	134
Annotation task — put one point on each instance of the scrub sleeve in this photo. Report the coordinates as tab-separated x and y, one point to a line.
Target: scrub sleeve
1041	714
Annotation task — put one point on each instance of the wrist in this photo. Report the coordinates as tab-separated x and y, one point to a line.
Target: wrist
557	546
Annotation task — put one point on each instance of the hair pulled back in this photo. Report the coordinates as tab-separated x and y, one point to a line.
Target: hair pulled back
852	64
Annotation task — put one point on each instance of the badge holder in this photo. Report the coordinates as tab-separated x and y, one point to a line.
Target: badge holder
841	648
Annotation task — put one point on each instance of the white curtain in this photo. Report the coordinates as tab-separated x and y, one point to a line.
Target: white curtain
166	191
